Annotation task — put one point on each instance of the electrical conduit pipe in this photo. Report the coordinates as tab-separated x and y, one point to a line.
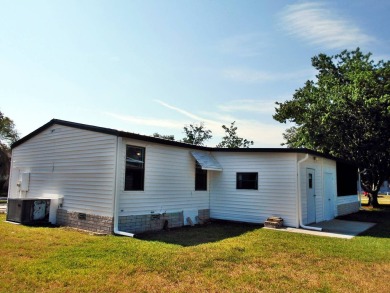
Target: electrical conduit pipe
116	191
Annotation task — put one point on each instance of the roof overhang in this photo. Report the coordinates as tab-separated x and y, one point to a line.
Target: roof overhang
146	138
206	161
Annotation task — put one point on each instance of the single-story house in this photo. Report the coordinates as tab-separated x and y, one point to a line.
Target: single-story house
111	181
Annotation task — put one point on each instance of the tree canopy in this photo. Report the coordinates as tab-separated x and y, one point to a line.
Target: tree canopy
345	112
232	140
196	134
164	136
8	135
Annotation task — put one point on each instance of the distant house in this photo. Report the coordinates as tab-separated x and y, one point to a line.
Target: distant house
385	188
107	181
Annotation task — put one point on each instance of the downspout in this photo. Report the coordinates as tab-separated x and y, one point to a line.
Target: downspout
359	189
209	175
116	190
299	207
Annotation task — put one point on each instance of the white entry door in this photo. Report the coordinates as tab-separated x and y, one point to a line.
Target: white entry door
329	196
311	196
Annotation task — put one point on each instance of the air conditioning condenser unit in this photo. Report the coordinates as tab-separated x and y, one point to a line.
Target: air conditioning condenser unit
28	211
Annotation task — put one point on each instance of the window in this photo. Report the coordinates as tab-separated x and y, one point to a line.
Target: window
200	177
135	168
247	181
347	176
310	181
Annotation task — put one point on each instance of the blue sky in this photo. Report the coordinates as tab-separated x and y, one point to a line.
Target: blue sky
155	66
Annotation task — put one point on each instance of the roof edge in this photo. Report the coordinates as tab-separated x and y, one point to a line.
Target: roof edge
277	150
125	134
105	130
32	134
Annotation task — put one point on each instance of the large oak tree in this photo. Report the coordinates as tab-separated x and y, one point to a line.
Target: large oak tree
345	112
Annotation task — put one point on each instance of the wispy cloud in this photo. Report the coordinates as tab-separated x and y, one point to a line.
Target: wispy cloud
247	105
257	76
245	45
378	58
318	25
195	118
163	123
263	134
181	111
247	75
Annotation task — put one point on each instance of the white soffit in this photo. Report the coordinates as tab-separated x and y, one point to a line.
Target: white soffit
206	161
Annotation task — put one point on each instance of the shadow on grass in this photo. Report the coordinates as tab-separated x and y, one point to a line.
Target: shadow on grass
380	216
191	236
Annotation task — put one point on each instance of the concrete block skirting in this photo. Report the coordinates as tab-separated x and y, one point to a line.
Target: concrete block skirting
93	223
155	222
347	208
204	214
132	223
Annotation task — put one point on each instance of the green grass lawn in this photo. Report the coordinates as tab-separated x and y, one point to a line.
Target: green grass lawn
219	257
382	199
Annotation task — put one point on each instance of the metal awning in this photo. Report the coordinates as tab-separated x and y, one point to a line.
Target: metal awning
206	161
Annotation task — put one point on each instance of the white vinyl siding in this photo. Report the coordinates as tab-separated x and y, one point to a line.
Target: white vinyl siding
276	194
347	204
347	199
169	181
78	165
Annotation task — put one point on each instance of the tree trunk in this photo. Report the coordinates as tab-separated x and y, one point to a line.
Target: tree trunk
373	199
371	182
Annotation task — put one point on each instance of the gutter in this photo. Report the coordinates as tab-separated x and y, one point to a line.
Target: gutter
299	205
116	192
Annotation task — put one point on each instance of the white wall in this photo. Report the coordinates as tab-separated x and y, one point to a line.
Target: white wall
64	161
79	165
276	195
347	204
169	181
347	199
